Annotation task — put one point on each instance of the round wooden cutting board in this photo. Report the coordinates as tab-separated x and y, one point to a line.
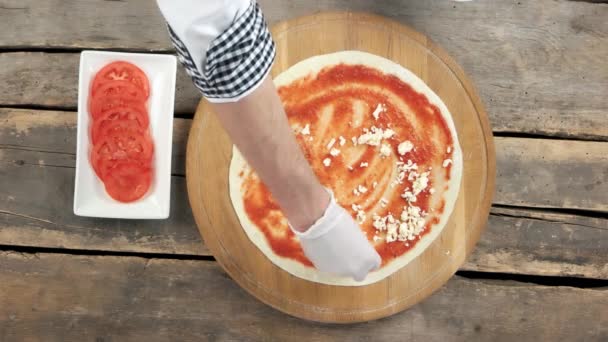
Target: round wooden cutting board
210	151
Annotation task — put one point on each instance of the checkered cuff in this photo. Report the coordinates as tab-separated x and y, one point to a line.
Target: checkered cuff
237	60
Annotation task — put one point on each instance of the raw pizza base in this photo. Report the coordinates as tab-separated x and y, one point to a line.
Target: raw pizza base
312	66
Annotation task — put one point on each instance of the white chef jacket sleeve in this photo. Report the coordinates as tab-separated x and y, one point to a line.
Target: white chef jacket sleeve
224	45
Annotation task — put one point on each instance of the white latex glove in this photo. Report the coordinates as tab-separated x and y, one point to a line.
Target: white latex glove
335	244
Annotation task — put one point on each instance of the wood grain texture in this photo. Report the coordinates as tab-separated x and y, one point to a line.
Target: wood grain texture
516	241
531	172
37	155
542	243
552	173
54	297
529	59
210	150
51	80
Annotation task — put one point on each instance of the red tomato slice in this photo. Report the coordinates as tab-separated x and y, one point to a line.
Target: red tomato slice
101	104
123	71
121	144
128	181
125	117
105	168
124	89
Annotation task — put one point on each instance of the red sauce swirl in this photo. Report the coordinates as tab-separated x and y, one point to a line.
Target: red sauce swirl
339	101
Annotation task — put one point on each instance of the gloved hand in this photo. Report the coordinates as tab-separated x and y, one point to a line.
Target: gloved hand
335	244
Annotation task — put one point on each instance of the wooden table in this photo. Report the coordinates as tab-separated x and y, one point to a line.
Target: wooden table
539	273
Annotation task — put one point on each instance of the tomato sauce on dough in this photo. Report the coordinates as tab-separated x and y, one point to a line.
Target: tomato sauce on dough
338	102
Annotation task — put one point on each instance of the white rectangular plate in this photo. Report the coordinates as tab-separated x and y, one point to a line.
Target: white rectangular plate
90	197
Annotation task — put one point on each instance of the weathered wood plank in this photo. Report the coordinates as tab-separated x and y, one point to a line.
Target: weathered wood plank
37	154
51	80
54	297
53	133
552	173
531	172
529	63
542	243
37	158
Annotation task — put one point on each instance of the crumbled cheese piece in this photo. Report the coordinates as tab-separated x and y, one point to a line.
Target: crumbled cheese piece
356	192
402	168
326	162
379	109
364	164
350	168
449	149
334	152
388	133
306	130
354	140
374	184
385	150
447	162
371	137
412	175
377	238
404	215
392	231
361	216
409	166
421	182
379	222
356	207
331	143
342	140
431	191
408	196
407	228
405	147
412	223
362	189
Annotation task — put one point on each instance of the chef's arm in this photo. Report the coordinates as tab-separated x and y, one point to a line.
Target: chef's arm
228	54
258	126
226	48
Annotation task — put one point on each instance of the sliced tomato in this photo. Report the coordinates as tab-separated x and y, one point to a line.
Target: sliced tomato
121	71
128	181
124	143
101	104
94	159
119	117
124	89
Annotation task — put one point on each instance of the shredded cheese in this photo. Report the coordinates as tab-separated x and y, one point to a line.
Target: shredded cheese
379	109
331	143
306	130
405	147
385	150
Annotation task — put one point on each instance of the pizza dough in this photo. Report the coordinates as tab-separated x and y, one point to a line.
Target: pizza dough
308	68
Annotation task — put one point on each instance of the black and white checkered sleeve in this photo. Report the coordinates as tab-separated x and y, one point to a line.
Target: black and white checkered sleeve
237	60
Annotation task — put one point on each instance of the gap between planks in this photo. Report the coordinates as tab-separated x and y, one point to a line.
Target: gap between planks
488	277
